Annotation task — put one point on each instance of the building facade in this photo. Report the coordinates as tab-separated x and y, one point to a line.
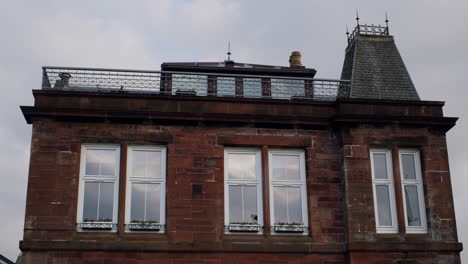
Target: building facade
232	162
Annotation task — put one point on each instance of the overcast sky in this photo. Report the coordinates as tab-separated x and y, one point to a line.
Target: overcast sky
432	37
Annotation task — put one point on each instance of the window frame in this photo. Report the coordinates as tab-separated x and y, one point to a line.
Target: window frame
418	182
143	180
301	182
258	182
83	178
391	189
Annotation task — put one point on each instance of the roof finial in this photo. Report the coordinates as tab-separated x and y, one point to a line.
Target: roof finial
229	50
347	31
386	22
357	17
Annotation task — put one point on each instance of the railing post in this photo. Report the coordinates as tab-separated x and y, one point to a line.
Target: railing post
239	86
266	87
212	85
309	88
45	79
166	83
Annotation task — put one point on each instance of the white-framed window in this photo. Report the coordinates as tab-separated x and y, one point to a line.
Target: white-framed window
243	190
288	191
98	187
146	188
413	192
384	191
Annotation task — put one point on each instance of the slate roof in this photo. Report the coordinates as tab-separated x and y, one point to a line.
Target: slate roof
376	70
231	67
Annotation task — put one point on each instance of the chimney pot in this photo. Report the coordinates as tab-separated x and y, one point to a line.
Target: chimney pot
295	59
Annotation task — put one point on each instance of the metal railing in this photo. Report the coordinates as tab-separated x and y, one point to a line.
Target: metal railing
368	30
192	84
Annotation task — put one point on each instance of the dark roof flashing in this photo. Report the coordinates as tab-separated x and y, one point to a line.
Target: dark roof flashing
231	67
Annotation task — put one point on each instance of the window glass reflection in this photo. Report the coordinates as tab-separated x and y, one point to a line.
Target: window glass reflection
241	166
380	166
412	205
285	167
407	162
153	205
98	201
235	204
90	203
100	162
287	204
383	205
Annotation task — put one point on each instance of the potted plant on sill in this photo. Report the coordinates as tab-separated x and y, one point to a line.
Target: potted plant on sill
289	227
91	223
145	225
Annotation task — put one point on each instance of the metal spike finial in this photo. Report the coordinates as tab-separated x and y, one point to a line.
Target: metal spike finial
357	17
347	30
229	50
386	22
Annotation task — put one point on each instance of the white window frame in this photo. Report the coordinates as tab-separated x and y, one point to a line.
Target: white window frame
391	189
301	183
418	182
134	179
85	178
258	182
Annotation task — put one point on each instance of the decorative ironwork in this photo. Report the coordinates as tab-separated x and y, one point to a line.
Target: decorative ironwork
144	226
289	228
243	228
368	30
191	84
96	225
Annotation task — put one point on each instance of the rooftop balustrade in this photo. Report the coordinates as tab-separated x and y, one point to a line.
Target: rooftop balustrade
192	84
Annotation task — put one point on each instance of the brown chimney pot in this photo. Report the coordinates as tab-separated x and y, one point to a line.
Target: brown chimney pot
295	59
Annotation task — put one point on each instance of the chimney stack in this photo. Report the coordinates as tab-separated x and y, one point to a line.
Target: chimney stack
295	60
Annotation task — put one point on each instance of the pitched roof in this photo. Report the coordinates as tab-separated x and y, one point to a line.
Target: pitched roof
376	70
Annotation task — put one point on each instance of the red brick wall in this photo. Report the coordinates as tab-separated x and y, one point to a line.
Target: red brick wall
436	179
195	156
339	184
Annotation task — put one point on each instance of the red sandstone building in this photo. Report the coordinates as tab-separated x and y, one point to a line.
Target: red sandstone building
232	162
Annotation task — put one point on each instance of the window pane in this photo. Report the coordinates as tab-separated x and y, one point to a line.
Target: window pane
285	167
252	87
100	162
107	157
106	200
137	209
383	205
153	199
146	163
407	162
235	204
92	162
294	205
154	164
241	166
380	166
280	204
250	203
412	205
139	163
90	203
